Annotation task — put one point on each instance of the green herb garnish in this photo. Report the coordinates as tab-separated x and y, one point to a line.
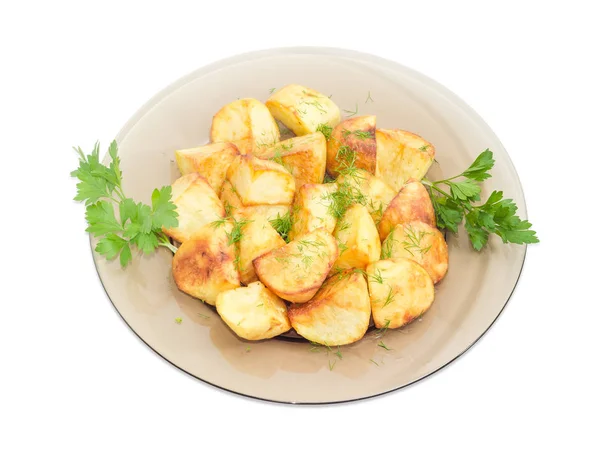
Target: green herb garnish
495	216
137	224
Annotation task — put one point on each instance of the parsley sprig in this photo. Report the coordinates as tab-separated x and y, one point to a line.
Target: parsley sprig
453	200
137	225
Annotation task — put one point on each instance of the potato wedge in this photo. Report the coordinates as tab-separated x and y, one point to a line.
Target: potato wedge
259	182
353	142
338	314
197	205
247	123
421	243
311	209
253	312
204	265
303	156
296	271
258	237
378	194
270	212
229	197
400	291
210	161
358	239
412	203
302	109
402	156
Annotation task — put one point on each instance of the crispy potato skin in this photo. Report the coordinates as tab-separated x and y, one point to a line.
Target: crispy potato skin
402	156
259	182
358	239
203	266
311	209
210	161
288	273
412	203
253	312
403	292
304	156
302	109
348	133
377	192
197	205
258	238
338	314
247	123
421	243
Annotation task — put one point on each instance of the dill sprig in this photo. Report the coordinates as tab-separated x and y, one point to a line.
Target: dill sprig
413	244
358	133
325	129
283	225
351	113
381	344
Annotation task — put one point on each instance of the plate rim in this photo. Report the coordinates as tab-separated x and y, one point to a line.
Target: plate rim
339	52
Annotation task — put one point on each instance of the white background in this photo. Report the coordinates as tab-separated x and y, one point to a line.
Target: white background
76	380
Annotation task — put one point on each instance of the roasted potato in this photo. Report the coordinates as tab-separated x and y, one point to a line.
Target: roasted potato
311	209
412	203
421	243
197	205
204	265
210	161
303	156
358	239
338	314
402	156
229	197
352	142
259	182
302	109
296	271
258	237
400	291
376	192
253	312
247	123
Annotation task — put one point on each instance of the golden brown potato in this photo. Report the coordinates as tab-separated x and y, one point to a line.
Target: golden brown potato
412	203
358	239
402	156
229	197
353	142
247	123
296	271
210	161
270	212
400	291
259	182
377	193
338	314
253	312
421	243
203	266
302	109
311	209
197	205
258	237
303	156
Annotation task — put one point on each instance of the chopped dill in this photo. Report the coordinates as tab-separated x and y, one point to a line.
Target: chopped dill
381	344
369	98
283	225
351	113
325	129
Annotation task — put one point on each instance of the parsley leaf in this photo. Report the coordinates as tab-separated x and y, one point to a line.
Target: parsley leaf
496	216
138	224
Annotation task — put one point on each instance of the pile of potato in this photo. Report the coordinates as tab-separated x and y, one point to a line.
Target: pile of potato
335	266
